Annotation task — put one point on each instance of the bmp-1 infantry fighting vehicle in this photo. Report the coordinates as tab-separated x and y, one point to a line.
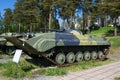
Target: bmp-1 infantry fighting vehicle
64	47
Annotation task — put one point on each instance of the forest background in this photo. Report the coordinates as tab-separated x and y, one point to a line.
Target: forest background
36	15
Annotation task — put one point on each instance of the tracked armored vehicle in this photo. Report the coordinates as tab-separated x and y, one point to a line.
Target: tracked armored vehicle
5	45
64	47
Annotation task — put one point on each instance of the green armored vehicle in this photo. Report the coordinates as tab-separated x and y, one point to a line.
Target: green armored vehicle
64	47
6	46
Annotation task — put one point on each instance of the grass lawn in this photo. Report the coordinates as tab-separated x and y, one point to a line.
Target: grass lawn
104	31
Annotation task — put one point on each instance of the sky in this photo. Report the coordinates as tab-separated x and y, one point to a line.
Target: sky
6	4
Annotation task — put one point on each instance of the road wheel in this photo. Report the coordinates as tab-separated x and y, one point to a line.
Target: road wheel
87	56
70	57
60	58
94	55
101	56
79	56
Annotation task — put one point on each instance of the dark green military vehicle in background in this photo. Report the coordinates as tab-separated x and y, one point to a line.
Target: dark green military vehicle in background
5	45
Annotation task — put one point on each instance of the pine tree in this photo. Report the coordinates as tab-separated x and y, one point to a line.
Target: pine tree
49	8
18	14
67	10
30	13
8	19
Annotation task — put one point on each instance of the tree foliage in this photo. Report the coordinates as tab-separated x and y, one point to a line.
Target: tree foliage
36	14
110	8
8	19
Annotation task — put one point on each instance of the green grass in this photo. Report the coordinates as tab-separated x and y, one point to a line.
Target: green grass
14	70
1	55
117	78
103	31
55	72
115	41
80	66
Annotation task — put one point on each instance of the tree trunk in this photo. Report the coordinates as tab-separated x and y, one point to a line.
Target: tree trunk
19	27
71	21
105	23
99	21
115	31
84	20
89	21
31	28
115	28
50	18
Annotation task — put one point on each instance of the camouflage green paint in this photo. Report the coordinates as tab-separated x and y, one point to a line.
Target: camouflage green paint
50	40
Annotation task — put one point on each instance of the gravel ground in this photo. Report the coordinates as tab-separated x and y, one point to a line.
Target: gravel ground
43	77
114	57
5	60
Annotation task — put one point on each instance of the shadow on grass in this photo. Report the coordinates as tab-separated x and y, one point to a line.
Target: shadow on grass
111	33
40	62
106	59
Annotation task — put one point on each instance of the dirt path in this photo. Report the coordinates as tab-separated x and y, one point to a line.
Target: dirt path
114	57
106	72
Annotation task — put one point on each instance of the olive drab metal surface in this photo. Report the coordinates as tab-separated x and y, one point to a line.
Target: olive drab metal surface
50	40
